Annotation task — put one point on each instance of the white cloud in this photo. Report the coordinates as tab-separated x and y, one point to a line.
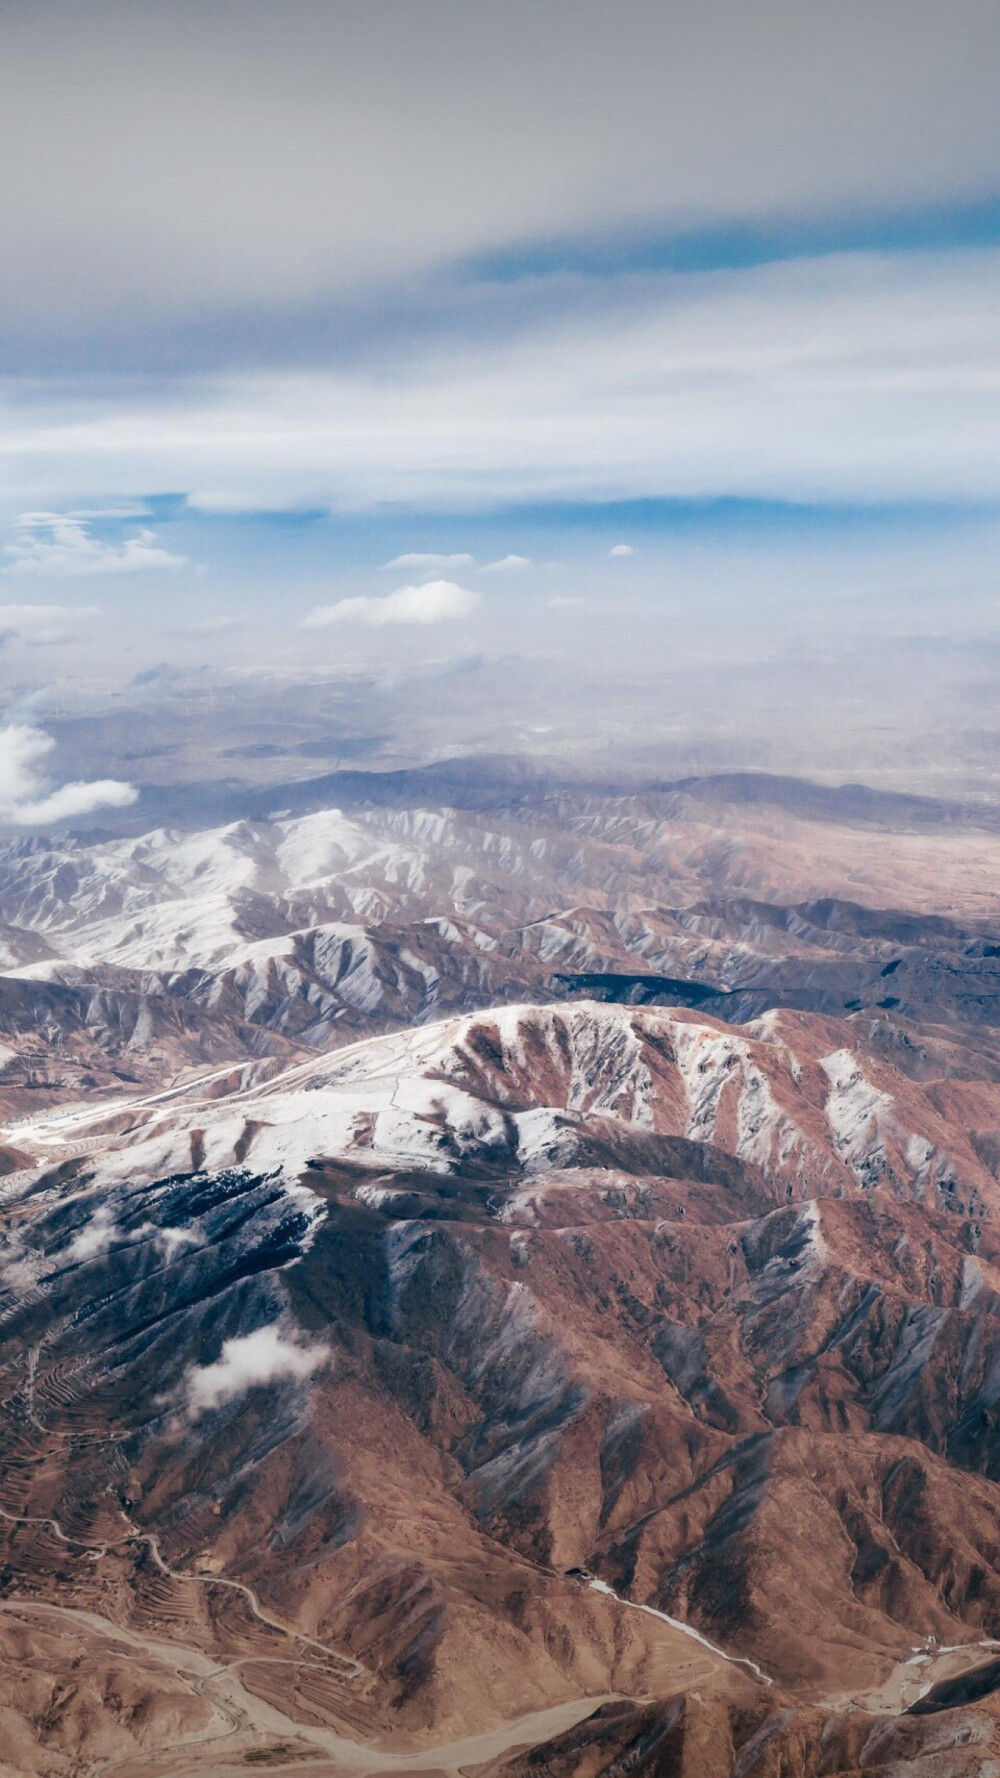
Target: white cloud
60	544
506	564
436	602
852	377
27	797
40	626
97	1235
94	1237
621	549
248	1360
432	564
170	1241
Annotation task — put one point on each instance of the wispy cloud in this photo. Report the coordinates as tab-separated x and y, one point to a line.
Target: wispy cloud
427	564
61	545
621	549
436	602
29	799
247	1361
506	565
433	564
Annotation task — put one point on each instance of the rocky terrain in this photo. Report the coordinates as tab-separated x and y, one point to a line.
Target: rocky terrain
502	1291
127	959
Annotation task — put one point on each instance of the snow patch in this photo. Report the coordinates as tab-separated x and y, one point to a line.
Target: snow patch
858	1115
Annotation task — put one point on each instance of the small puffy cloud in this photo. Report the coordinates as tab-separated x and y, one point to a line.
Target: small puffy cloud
506	565
430	563
29	799
60	544
435	602
94	1238
43	626
621	549
247	1361
170	1241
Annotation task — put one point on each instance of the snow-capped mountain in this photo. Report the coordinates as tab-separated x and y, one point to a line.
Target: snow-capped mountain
528	1089
131	958
402	1367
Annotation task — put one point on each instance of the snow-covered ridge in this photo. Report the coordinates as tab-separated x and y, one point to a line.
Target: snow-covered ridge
515	1087
176	948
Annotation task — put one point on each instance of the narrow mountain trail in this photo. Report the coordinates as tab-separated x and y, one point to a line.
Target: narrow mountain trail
601	1586
347	1666
59	1128
909	1680
56	1127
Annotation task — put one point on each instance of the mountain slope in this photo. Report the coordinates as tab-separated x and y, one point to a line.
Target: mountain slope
354	1363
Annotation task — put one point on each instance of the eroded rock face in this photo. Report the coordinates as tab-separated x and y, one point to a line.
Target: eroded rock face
681	1734
355	1373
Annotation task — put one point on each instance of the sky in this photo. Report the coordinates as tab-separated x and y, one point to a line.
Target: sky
386	330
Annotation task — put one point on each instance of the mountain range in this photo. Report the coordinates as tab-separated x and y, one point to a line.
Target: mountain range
507	1284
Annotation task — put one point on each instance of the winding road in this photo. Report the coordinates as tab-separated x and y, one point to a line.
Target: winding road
345	1665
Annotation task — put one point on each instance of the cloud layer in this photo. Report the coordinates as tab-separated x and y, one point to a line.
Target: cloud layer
709	253
847	378
334	142
506	565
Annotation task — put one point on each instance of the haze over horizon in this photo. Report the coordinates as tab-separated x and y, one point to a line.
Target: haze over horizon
387	338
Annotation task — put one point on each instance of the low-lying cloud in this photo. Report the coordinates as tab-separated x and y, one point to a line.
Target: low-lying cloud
95	1237
246	1361
29	799
435	602
61	545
